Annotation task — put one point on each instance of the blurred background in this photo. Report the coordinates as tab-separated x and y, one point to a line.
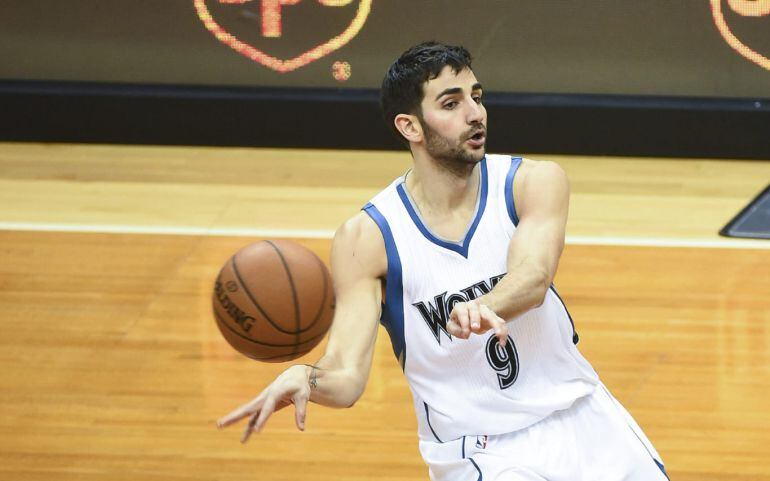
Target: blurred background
581	77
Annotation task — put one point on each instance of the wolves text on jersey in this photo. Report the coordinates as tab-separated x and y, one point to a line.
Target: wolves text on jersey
436	313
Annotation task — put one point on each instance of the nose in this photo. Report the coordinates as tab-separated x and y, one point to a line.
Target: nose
476	112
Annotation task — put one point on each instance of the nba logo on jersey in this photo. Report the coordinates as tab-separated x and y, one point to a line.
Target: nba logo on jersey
481	441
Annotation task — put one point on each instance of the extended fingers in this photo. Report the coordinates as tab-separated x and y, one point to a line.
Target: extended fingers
258	419
240	413
495	322
467	317
265	413
249	427
300	408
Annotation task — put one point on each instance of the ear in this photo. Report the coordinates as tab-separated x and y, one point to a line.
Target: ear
409	126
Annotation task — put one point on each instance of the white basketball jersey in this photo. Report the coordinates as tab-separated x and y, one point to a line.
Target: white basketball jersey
472	387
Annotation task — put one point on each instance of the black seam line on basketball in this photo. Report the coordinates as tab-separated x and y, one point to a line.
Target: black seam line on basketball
239	278
224	323
297	323
254	301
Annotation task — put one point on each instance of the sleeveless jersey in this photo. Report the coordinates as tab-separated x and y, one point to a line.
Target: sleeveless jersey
474	386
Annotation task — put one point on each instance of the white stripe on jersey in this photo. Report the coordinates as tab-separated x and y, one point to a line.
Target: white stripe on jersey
472	387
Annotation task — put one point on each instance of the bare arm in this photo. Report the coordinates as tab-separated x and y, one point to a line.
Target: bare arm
542	199
359	263
541	193
338	379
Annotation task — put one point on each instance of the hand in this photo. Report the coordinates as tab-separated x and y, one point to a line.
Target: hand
291	387
467	317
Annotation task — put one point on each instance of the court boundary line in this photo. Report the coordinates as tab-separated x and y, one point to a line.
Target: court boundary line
328	234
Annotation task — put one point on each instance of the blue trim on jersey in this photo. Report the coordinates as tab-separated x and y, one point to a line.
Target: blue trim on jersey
393	309
427	418
509	202
481	477
461	249
662	468
463	453
575	337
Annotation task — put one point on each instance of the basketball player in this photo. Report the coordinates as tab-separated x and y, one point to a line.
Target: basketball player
466	246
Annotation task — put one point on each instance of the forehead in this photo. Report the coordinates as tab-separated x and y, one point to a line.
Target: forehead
448	79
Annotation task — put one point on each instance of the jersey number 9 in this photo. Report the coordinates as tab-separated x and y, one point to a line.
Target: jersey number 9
504	360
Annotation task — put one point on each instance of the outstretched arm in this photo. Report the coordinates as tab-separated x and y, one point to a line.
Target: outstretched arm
338	379
541	192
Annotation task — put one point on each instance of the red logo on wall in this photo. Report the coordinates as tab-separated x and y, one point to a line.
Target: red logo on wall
745	8
267	24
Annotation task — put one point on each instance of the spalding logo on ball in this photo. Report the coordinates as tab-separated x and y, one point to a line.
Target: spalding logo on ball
273	300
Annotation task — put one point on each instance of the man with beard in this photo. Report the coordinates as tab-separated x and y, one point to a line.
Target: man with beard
466	246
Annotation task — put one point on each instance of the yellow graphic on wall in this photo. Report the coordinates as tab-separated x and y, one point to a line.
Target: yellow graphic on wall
746	8
272	12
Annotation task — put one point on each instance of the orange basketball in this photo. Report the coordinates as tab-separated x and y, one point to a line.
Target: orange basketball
273	300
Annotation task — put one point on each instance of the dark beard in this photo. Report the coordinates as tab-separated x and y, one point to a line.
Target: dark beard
453	157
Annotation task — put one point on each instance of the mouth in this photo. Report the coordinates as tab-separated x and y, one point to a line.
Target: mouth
478	139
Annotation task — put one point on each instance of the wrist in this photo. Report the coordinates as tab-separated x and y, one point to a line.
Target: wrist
489	301
311	376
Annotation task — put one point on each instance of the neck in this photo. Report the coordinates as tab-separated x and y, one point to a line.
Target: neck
440	189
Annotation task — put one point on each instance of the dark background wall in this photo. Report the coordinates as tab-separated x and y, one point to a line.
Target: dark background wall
591	77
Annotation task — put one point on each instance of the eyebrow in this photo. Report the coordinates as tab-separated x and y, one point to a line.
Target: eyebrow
457	90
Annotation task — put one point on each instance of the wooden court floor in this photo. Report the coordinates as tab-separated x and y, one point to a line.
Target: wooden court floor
111	366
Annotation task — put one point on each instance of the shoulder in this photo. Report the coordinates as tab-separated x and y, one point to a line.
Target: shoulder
358	244
360	227
536	171
527	170
538	183
536	175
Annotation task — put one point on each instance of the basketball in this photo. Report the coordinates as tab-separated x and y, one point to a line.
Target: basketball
273	300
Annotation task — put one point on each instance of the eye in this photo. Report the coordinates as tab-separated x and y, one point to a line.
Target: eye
477	99
450	105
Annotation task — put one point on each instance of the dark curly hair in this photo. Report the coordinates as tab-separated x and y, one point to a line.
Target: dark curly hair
402	88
